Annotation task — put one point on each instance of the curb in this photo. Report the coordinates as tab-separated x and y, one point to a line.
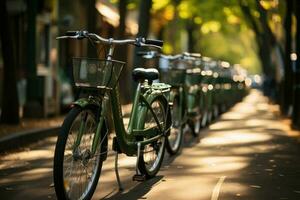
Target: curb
20	139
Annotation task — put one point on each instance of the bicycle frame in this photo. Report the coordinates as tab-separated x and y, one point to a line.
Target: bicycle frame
126	140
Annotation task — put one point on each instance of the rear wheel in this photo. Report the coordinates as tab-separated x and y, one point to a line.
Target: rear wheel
174	140
204	119
195	126
76	171
209	117
152	154
216	112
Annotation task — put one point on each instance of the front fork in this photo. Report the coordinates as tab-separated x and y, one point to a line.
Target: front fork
100	123
178	92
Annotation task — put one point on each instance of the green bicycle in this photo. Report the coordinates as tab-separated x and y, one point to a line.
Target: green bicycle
175	77
181	72
82	144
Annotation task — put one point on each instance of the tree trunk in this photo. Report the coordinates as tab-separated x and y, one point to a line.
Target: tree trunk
91	25
287	82
10	103
265	41
121	53
296	100
144	25
274	44
261	43
34	89
264	22
122	22
190	27
160	34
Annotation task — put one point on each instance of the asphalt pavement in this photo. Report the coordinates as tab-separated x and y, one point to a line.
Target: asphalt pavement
249	153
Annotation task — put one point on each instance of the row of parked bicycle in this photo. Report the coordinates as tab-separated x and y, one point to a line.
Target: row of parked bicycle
201	89
192	90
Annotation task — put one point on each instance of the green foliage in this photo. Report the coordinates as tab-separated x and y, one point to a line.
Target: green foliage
220	28
221	31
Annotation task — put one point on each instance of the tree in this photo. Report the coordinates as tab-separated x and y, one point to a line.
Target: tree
144	26
287	81
122	51
266	42
296	86
10	105
33	106
91	23
122	6
190	28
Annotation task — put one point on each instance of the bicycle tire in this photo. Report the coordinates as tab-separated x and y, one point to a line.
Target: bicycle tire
152	170
195	126
204	120
63	186
176	130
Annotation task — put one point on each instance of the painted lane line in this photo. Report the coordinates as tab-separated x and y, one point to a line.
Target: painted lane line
217	188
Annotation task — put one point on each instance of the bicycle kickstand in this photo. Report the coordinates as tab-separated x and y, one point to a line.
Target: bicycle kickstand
138	176
117	172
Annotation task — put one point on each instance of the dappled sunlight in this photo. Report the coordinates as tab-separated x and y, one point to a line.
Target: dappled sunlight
257	148
231	149
23	158
234	137
237	157
32	154
221	125
256	122
184	188
235	189
36	172
220	164
28	175
234	116
10	164
127	161
262	106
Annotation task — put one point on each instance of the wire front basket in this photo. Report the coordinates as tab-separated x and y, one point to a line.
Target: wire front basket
95	73
173	76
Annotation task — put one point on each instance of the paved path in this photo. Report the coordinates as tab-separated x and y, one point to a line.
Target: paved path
247	154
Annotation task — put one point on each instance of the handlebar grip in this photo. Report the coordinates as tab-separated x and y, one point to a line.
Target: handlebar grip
159	43
71	33
142	53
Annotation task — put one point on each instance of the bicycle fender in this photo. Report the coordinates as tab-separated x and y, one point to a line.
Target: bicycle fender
173	94
83	102
143	109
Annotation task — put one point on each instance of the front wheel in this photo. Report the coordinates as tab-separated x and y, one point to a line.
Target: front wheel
174	140
195	125
152	154
76	170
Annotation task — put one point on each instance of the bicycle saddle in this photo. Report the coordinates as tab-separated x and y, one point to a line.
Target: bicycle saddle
140	74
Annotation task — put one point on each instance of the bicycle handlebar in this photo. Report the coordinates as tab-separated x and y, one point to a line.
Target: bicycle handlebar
139	42
154	54
195	55
154	42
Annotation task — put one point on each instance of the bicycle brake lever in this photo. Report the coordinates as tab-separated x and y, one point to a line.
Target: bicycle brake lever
139	41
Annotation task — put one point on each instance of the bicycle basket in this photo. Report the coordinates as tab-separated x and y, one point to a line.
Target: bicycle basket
95	73
173	76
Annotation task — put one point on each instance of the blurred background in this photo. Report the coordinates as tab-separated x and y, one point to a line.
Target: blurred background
263	36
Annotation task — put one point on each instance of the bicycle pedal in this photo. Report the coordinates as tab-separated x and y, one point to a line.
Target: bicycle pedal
139	177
